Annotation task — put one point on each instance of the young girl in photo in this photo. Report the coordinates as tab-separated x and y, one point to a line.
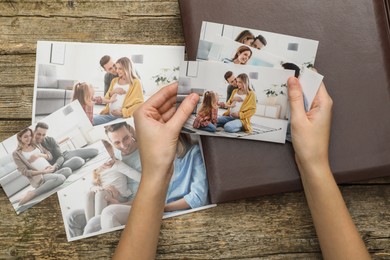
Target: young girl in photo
84	93
206	118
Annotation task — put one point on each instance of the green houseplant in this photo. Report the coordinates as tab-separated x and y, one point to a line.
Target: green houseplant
274	91
166	76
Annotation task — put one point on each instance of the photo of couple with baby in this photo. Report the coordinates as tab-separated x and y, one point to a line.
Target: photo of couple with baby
109	190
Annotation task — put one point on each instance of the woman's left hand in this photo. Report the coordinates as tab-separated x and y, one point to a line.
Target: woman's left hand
117	112
235	115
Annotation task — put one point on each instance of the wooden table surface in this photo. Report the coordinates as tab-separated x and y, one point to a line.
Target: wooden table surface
269	227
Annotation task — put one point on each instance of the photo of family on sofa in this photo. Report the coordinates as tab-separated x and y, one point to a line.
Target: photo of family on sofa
42	159
109	189
108	88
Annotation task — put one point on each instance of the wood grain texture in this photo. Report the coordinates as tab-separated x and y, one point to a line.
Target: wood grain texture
269	227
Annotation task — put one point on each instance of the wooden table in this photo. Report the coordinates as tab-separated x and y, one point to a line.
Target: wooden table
270	227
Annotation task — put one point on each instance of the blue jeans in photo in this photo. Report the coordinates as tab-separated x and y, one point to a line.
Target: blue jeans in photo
229	124
102	119
209	128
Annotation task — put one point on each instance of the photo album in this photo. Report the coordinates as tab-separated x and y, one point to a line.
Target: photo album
82	143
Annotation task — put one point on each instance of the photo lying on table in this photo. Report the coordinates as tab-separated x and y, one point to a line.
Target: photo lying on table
296	50
109	80
236	101
101	201
47	156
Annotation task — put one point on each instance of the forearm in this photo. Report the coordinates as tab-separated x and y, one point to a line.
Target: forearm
177	205
140	236
60	160
338	236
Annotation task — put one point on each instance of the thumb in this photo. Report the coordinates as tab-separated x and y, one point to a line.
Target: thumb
295	97
183	112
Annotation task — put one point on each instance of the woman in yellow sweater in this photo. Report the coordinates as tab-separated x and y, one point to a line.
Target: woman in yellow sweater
127	91
243	101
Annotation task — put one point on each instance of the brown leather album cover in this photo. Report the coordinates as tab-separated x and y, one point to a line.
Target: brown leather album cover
354	57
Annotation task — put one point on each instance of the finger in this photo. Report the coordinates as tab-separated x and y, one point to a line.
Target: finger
322	97
164	94
295	98
167	105
183	112
168	114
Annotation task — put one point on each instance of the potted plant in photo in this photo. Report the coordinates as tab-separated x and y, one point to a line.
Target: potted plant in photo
274	91
166	76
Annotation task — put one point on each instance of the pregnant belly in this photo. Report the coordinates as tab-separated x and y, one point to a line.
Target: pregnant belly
118	103
40	164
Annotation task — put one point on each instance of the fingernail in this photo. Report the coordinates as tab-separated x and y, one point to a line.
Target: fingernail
194	98
292	82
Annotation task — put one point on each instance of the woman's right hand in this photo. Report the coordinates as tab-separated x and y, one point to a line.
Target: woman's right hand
310	130
158	124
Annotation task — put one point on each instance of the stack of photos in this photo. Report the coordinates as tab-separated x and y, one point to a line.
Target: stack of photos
241	75
83	143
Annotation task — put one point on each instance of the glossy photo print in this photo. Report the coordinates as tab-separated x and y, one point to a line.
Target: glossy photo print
297	50
109	80
236	101
101	201
47	156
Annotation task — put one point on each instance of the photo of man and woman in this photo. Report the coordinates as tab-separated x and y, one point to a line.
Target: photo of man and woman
47	156
224	42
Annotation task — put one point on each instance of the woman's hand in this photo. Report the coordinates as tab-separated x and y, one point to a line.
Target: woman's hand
117	112
235	115
158	124
310	130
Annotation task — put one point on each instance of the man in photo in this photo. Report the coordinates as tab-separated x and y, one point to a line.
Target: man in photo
73	159
107	63
259	42
231	80
123	138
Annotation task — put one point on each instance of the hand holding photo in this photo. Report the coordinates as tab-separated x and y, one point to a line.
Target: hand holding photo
108	189
236	101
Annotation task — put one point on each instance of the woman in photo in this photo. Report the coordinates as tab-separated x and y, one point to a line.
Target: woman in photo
32	161
128	91
237	117
242	56
245	37
206	118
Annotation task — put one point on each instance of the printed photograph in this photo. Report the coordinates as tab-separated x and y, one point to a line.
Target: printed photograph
300	51
229	51
109	80
101	201
48	156
248	102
